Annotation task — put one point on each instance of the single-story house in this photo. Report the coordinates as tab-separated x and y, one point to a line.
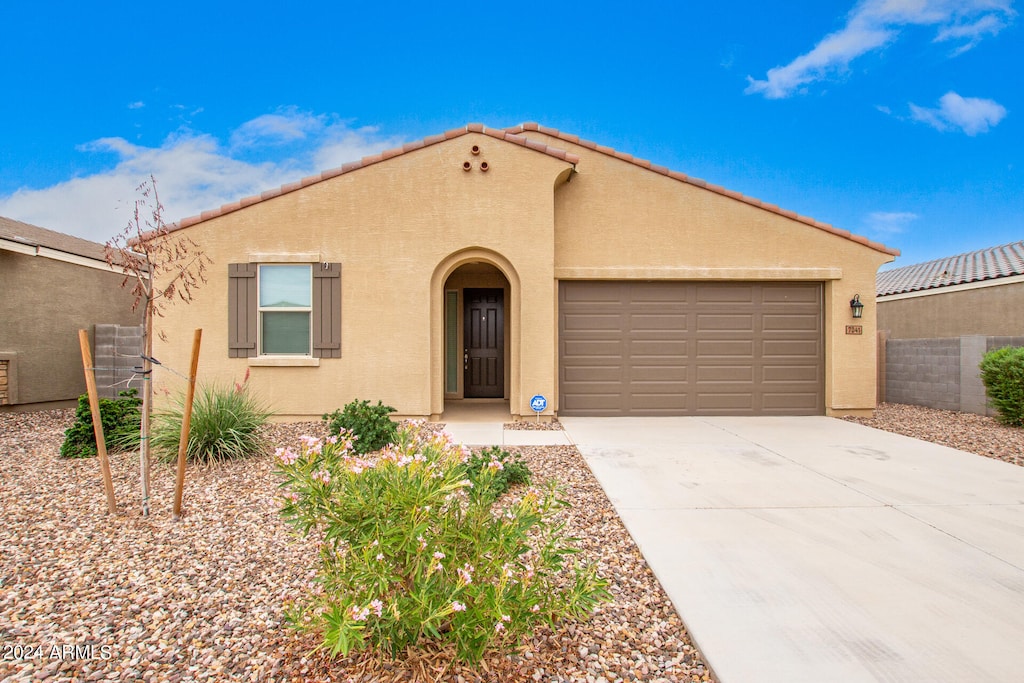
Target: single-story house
977	293
51	286
501	264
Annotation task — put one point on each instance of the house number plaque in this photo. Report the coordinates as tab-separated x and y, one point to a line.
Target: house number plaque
854	329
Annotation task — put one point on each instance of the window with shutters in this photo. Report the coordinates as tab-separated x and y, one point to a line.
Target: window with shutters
284	310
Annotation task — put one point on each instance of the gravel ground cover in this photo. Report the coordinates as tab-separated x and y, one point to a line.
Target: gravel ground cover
964	431
85	596
535	426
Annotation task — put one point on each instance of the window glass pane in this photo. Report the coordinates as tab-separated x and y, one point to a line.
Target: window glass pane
285	332
285	286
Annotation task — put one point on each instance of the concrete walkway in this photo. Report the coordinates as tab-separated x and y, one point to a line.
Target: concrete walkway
813	549
482	424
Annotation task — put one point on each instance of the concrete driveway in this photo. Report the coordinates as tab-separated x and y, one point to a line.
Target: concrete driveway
813	549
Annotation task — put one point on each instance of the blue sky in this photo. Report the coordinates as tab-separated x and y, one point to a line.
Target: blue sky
901	120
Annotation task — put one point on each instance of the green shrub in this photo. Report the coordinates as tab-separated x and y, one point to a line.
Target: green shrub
510	470
225	425
1002	372
121	421
410	551
369	426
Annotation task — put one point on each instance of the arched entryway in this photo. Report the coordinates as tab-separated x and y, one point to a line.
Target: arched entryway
474	349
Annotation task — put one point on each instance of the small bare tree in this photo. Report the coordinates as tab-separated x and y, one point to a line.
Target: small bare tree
160	267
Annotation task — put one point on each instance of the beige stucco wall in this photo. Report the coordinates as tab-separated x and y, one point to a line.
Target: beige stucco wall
615	219
398	228
43	304
992	311
402	227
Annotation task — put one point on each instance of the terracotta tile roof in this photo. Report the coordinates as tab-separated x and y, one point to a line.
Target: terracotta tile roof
498	133
34	236
682	177
974	266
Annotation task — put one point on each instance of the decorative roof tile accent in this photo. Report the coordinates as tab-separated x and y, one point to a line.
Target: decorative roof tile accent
553	132
34	236
973	266
498	133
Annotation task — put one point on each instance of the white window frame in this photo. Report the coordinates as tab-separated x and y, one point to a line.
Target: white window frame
260	310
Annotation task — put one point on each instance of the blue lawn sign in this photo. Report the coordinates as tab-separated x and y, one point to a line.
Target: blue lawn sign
538	403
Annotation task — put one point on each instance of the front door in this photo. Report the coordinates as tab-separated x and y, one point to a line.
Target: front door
484	354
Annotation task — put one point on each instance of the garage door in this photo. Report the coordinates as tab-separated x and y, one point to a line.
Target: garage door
688	348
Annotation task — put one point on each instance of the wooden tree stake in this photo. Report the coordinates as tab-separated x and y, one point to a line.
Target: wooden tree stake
97	422
186	423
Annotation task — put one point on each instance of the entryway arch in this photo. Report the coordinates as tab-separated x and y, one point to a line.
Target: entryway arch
477	283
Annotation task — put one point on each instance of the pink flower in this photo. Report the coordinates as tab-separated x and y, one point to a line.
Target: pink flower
535	608
438	555
312	444
357	614
465	573
495	465
505	617
377	606
286	456
423	543
322	476
380	556
458	606
499	627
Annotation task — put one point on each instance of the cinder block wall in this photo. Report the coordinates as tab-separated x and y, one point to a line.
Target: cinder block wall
940	373
923	372
115	358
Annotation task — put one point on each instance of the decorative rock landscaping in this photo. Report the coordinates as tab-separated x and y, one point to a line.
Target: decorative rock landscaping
85	596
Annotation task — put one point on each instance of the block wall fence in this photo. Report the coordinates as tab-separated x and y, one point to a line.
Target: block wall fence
937	373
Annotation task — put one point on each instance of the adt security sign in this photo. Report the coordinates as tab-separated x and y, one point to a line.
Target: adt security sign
538	403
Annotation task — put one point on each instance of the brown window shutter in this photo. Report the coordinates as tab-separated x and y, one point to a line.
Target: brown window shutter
327	310
242	310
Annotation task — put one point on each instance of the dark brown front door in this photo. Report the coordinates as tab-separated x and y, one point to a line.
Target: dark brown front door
485	343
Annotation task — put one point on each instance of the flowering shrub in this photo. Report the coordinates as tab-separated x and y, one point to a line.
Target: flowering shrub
411	550
503	469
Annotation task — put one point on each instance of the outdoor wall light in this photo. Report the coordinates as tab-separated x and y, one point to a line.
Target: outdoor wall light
856	306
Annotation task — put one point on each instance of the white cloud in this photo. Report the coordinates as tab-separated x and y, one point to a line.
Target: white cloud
875	24
972	115
194	172
889	222
136	105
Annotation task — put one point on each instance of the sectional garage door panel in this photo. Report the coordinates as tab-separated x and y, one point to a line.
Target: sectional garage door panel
688	348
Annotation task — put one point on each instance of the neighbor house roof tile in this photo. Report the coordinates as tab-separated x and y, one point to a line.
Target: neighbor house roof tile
973	266
531	126
34	236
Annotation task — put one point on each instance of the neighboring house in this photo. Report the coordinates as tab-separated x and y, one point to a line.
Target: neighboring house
51	285
977	293
938	319
503	263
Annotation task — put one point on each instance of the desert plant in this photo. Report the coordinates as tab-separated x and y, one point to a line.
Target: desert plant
369	425
120	419
411	551
1002	372
501	467
226	424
